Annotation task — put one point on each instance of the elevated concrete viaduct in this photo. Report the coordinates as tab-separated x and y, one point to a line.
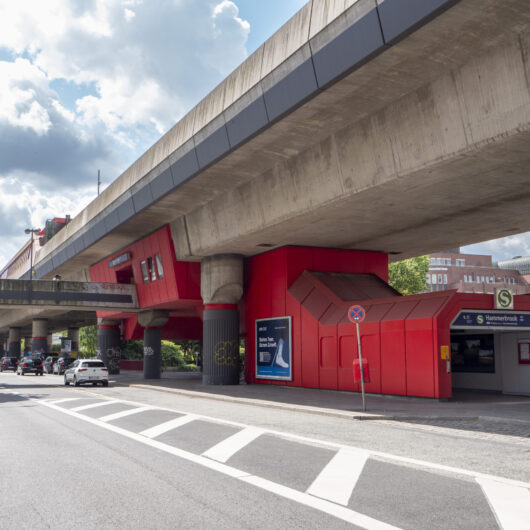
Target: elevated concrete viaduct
391	126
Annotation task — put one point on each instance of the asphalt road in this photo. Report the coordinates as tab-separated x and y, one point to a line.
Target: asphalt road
124	457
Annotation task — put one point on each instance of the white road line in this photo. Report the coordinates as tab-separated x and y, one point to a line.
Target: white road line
337	480
510	504
94	405
231	445
123	414
372	454
302	498
153	432
351	516
56	401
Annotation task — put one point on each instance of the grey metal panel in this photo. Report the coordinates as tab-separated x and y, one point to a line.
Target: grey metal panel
162	184
142	198
111	220
291	91
185	167
70	251
351	48
401	17
247	122
79	246
125	210
213	147
89	237
99	229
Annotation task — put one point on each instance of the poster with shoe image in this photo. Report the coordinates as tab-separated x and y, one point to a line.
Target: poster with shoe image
273	348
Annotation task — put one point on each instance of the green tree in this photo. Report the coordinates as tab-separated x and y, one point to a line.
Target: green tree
409	276
88	341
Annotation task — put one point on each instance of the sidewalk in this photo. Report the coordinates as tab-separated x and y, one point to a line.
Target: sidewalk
470	411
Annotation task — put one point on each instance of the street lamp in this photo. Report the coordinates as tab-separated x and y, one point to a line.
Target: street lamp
31	231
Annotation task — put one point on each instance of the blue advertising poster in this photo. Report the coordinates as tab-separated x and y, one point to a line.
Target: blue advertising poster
273	348
491	319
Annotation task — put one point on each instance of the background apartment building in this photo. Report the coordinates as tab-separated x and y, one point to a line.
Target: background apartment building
473	273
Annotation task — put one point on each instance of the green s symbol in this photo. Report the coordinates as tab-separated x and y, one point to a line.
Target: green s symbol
505	298
480	319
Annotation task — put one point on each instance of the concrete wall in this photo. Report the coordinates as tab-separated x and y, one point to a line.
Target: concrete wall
515	376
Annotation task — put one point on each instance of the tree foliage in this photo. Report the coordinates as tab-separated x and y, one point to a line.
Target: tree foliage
409	276
88	341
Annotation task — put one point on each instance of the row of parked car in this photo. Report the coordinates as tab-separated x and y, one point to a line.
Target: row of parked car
76	371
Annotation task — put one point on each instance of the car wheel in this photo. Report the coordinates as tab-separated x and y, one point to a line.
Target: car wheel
66	383
105	383
76	382
21	372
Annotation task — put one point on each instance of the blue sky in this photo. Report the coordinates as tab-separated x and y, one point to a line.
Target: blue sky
91	84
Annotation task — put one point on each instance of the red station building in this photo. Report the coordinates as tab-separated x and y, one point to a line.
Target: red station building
293	317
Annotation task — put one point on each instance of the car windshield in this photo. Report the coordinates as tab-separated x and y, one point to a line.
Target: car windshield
94	364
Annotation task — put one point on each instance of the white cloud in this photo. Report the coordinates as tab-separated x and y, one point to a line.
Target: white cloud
91	84
502	249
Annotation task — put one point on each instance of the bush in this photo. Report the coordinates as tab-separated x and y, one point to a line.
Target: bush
171	355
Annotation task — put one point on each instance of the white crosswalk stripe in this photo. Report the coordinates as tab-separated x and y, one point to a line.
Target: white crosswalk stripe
153	432
94	406
57	401
123	414
231	445
337	480
510	504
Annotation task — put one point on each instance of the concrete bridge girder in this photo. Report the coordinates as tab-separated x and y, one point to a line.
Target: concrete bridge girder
408	179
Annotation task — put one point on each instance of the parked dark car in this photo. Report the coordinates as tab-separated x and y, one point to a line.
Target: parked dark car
62	364
49	362
8	363
29	365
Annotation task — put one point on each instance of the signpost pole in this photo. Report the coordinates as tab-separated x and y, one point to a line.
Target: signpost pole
361	364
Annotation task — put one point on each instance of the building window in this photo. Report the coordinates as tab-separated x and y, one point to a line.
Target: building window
439	279
159	268
487	279
434	279
151	269
465	278
448	261
145	274
472	353
445	279
460	262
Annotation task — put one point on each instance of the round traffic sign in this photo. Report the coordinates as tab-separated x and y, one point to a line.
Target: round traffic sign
356	313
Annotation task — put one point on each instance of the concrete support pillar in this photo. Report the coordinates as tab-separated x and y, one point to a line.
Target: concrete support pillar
39	331
73	335
27	345
49	342
221	290
109	344
14	342
152	322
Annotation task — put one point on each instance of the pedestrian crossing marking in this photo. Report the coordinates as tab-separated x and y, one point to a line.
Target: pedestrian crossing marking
124	413
224	450
158	430
337	480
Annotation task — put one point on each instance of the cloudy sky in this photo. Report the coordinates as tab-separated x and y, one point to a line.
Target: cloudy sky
91	84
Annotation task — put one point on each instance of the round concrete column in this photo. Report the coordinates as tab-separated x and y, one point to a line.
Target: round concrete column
73	335
27	345
49	342
39	331
109	350
14	342
152	322
221	290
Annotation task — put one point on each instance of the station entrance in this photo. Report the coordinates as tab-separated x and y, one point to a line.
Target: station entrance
490	351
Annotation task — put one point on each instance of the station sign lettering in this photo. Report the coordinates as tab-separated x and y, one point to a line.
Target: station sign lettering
119	260
491	319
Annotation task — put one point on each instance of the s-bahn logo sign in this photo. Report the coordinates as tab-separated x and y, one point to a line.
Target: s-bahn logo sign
503	299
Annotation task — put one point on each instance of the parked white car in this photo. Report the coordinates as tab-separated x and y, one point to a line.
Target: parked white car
87	371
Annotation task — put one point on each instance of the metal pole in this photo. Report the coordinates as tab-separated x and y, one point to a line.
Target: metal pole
361	363
99	180
30	266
